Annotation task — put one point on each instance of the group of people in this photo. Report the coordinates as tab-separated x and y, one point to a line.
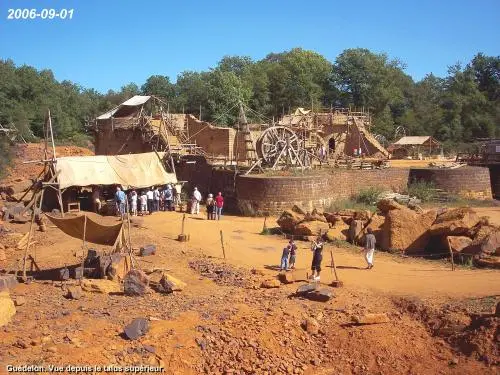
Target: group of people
289	254
214	205
146	201
162	199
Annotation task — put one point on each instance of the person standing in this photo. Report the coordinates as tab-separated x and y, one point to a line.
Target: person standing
144	203
150	196
284	258
210	204
195	202
369	249
120	198
317	249
133	202
219	203
293	253
168	196
156	197
96	199
176	198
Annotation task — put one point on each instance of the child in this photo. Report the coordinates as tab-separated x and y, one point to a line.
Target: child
210	202
284	259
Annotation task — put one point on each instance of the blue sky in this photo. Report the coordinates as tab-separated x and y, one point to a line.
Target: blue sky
109	43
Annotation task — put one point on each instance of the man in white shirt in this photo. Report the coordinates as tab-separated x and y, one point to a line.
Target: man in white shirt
195	202
156	197
144	203
133	202
150	195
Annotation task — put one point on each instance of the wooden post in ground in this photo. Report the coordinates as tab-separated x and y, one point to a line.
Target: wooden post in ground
182	237
83	243
451	255
264	228
222	243
29	238
336	283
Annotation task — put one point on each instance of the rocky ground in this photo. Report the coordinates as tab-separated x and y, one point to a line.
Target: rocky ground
234	316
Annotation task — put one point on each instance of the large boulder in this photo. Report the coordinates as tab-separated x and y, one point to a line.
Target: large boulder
484	246
456	222
387	205
355	230
338	232
376	224
405	230
100	286
7	308
315	216
311	228
490	262
363	215
456	243
332	218
289	219
136	283
299	210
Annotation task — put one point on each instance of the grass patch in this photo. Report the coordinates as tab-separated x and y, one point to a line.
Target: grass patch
349	204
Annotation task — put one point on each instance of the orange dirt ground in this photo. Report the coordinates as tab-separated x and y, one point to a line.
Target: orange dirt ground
224	323
262	325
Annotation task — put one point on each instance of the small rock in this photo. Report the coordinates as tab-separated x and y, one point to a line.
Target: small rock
270	283
137	328
135	283
306	288
19	301
169	284
149	348
311	325
453	361
370	319
74	292
20	344
52	349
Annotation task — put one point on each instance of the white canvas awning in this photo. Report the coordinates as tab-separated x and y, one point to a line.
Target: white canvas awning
132	170
134	101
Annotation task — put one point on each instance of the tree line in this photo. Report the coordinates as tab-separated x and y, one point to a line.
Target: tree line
455	109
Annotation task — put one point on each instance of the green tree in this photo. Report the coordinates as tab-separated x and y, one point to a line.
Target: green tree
159	86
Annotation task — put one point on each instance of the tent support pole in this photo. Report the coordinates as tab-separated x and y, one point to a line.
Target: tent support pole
129	237
59	198
83	244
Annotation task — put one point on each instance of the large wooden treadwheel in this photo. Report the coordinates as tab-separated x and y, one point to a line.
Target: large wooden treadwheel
279	146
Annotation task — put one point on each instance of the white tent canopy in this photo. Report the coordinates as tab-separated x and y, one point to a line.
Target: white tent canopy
130	171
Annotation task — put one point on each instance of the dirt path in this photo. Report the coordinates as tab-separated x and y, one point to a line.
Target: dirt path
401	276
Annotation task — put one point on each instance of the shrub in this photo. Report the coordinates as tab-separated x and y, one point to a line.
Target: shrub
423	190
368	196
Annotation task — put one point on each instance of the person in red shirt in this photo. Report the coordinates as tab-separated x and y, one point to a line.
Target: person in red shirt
219	203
